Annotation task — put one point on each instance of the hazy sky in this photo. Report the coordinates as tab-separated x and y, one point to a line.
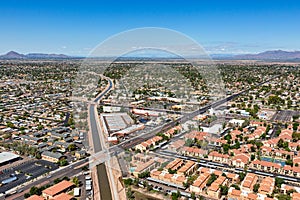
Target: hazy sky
75	27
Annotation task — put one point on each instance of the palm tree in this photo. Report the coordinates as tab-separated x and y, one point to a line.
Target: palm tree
76	181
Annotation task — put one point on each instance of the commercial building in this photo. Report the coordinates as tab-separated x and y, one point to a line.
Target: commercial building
53	191
52	157
8	157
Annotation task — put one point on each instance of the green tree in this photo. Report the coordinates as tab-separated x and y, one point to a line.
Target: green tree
63	162
289	162
225	148
278	182
283	197
280	143
72	147
193	196
235	186
128	182
171	171
176	195
242	176
211	179
224	189
256	187
76	181
144	174
189	142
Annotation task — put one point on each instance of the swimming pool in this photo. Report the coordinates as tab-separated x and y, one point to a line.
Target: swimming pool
132	169
279	161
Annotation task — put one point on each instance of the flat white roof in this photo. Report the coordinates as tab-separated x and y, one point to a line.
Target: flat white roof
76	192
7	156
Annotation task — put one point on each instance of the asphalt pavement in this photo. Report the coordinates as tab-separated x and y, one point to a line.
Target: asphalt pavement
68	171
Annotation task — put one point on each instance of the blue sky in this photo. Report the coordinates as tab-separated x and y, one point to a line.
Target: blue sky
75	27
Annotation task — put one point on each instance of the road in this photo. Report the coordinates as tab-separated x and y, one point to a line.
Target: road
129	143
103	179
144	108
68	171
225	167
34	167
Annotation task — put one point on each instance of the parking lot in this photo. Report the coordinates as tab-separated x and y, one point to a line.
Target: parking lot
25	172
285	115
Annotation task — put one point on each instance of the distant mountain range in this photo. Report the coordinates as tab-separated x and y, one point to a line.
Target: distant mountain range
16	55
270	55
267	55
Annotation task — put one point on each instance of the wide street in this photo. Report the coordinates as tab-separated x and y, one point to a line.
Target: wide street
129	143
103	179
68	171
224	166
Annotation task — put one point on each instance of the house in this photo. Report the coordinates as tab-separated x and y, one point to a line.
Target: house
295	196
294	145
218	157
286	135
287	170
200	183
240	160
63	196
175	146
145	166
188	168
196	135
53	191
271	143
257	133
296	171
148	143
52	157
155	174
193	151
220	142
234	194
139	157
142	146
266	166
232	178
251	196
178	179
267	186
35	197
296	160
248	183
214	190
80	154
173	131
175	164
283	154
256	123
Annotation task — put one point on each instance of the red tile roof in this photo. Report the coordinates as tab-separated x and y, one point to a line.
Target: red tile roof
252	196
296	196
244	158
219	155
236	193
63	196
249	181
266	164
35	197
58	188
